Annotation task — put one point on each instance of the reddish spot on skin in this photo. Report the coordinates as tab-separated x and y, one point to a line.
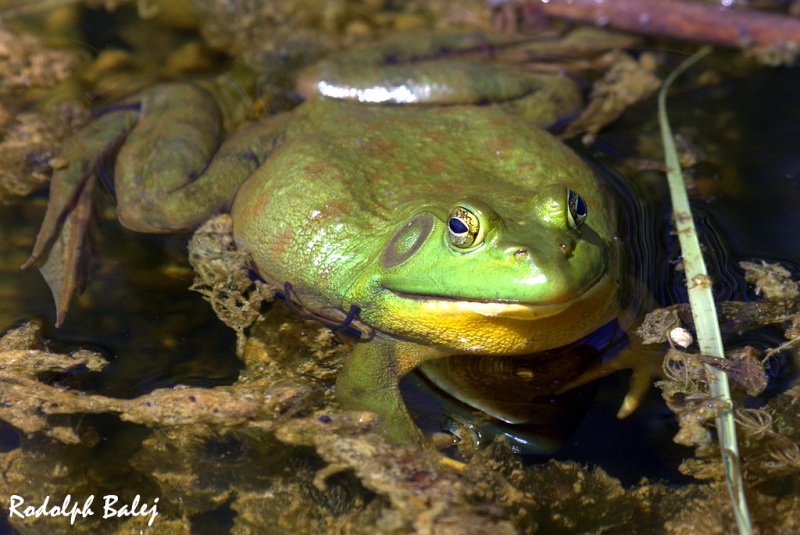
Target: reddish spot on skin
379	148
408	122
332	211
400	165
501	146
527	168
340	119
260	205
499	122
436	165
280	244
376	178
452	187
435	135
315	169
337	208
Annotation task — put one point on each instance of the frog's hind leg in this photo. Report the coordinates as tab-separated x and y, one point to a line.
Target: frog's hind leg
170	175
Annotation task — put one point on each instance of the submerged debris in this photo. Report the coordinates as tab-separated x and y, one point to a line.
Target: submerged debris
772	281
626	82
769	435
222	278
29	138
25	62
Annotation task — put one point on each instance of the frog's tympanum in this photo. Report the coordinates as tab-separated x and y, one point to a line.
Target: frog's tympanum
424	204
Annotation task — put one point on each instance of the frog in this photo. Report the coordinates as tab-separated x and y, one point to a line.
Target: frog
424	204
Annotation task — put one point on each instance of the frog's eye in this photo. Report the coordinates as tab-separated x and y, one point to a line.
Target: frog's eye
577	210
463	228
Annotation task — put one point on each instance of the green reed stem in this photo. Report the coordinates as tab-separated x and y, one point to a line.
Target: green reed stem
701	301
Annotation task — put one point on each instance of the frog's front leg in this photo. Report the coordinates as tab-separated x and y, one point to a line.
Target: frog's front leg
370	381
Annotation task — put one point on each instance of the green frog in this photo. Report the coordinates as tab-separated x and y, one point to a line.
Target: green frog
422	203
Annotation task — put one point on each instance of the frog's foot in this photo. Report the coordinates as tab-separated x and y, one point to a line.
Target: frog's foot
645	363
65	238
369	381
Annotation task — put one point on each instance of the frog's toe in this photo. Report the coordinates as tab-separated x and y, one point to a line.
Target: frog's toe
67	264
641	379
643	361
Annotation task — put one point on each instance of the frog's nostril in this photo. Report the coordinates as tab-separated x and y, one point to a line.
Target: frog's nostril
521	252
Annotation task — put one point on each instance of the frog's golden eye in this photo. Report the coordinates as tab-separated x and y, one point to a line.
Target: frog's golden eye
576	214
463	228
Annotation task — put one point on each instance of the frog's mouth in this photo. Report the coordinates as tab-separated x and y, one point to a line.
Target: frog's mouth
500	308
497	309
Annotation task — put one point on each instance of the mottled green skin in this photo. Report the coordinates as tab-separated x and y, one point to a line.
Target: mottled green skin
348	203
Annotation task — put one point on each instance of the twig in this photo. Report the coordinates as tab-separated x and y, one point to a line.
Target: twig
678	19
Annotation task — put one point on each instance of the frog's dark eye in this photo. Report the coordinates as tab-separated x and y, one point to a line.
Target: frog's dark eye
577	210
463	228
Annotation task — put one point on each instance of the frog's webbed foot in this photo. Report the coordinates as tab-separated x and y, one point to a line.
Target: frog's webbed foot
645	363
64	241
66	267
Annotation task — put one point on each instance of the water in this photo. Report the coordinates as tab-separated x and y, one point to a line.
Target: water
753	125
138	313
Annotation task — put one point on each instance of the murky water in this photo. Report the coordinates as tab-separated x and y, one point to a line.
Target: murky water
138	312
751	213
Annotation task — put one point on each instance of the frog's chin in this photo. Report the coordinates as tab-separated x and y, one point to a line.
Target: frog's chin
495	309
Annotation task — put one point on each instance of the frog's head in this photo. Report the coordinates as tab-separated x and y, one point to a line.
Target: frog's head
474	278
